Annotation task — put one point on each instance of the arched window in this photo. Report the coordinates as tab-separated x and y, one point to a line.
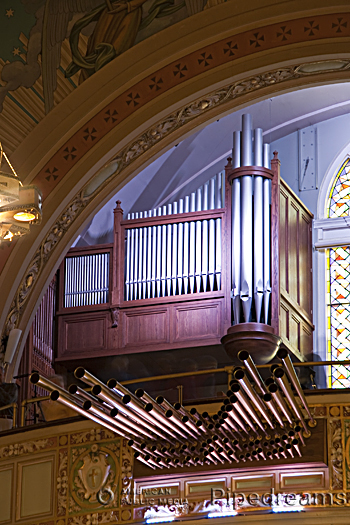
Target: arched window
338	282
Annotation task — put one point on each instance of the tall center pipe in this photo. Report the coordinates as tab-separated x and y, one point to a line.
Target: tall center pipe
247	222
236	229
258	226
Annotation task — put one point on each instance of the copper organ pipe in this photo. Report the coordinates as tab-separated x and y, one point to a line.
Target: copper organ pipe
298	430
152	422
74	389
109	397
65	400
170	427
268	400
246	404
286	360
242	412
244	382
283	382
253	371
273	389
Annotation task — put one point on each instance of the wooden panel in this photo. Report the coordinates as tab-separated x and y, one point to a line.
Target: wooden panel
293	252
197	322
294	333
284	322
283	239
295	273
82	332
305	258
145	326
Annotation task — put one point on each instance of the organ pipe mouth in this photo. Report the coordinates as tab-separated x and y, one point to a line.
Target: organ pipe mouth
96	390
34	378
112	383
79	372
54	395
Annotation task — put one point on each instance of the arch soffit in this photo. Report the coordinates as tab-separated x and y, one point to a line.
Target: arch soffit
254	77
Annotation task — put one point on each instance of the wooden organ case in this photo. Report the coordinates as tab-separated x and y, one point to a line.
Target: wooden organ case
170	280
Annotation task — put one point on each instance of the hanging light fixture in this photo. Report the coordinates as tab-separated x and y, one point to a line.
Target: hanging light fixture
20	206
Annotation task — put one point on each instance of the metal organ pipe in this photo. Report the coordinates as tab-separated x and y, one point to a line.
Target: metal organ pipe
258	225
250	225
165	436
247	222
236	229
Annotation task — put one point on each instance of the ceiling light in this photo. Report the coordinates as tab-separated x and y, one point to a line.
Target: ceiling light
20	206
24	216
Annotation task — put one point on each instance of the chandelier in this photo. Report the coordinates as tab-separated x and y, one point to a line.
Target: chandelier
20	206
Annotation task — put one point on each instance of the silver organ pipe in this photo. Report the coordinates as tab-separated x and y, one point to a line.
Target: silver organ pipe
198	271
181	250
176	258
218	232
139	276
205	239
159	254
236	229
250	225
164	254
267	193
154	251
136	259
247	223
211	235
186	246
168	252
132	260
258	225
192	244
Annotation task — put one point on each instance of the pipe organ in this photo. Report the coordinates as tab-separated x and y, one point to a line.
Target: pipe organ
178	256
229	263
247	428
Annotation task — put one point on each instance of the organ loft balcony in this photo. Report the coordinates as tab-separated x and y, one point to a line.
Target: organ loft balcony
169	374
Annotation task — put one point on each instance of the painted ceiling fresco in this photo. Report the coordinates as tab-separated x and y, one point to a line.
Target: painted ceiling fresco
49	47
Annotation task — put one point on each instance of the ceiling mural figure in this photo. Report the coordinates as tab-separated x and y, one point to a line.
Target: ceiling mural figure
50	46
118	23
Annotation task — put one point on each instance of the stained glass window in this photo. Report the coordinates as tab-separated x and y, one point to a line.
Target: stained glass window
339	197
338	292
338	283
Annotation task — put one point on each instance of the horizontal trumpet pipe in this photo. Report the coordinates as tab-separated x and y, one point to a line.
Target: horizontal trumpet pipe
248	362
187	422
241	377
37	379
289	449
246	404
110	398
273	389
242	412
236	417
169	414
287	362
139	457
65	400
295	444
298	430
171	429
152	422
121	390
120	419
268	400
76	390
283	382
